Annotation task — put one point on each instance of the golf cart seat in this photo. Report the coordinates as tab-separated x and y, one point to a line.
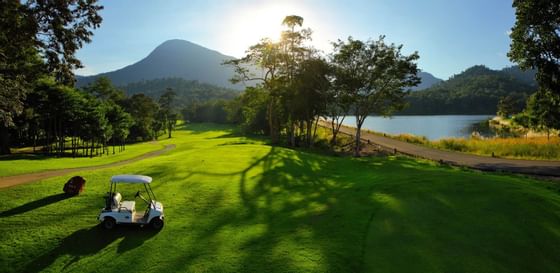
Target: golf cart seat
127	205
116	200
122	205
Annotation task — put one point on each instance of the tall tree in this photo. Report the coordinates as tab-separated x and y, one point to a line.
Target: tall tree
543	112
375	75
339	103
279	62
536	44
143	110
309	96
103	89
168	114
39	34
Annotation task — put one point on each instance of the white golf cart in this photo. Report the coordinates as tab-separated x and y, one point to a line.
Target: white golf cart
117	211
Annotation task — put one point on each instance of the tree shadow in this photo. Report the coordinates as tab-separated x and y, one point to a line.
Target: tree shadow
90	241
24	156
35	205
317	211
282	196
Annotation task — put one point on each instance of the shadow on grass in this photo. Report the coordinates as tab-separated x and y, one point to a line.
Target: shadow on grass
90	241
293	193
24	156
312	213
35	204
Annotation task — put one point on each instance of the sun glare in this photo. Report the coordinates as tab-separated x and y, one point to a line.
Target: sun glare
250	25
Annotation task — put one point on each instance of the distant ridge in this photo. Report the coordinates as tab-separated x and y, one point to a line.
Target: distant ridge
174	59
476	90
428	80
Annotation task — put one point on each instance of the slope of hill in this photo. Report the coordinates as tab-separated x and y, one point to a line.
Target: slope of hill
174	58
476	90
428	80
527	77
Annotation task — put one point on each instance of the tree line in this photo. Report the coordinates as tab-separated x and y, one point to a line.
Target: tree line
88	121
39	105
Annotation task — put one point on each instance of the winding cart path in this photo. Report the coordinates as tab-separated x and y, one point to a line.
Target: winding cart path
485	163
9	181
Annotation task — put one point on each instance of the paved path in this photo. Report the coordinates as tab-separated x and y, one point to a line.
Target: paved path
486	163
9	181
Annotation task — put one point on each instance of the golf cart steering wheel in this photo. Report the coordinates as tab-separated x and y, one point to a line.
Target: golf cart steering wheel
141	197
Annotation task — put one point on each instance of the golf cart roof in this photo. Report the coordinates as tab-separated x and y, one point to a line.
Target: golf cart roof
131	178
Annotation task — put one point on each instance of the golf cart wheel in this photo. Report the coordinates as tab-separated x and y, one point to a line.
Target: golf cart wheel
156	223
109	223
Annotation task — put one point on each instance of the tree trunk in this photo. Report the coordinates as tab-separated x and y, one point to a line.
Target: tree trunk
91	151
359	123
272	122
308	133
315	129
293	132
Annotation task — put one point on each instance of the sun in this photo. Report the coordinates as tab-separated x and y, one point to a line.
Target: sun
249	25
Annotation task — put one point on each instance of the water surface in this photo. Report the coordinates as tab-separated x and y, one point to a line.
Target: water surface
432	127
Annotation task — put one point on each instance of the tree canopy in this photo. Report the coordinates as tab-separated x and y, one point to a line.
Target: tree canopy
39	37
376	76
536	44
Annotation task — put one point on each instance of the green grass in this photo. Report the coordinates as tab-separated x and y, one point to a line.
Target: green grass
534	148
235	204
30	163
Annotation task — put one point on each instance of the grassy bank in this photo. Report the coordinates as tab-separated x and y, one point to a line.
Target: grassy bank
235	204
539	148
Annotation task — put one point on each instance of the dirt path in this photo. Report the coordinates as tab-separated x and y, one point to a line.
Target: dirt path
485	163
9	181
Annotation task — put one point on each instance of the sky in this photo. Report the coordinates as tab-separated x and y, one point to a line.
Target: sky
449	35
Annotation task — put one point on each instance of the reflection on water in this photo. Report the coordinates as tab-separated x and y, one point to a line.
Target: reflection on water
432	127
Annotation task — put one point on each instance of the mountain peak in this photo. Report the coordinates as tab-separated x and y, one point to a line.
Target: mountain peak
175	58
177	43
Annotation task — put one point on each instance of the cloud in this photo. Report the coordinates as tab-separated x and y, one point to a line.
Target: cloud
508	32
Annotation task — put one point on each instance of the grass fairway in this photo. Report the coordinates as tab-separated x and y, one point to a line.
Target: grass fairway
234	204
30	163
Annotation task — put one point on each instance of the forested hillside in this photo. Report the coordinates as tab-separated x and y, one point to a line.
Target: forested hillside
476	90
187	91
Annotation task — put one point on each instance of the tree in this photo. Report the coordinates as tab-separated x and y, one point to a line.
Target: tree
102	88
168	115
279	62
506	106
544	111
39	36
119	121
375	75
249	110
309	96
143	110
536	44
339	102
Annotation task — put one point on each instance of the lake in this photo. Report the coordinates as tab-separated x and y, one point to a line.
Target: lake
432	127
